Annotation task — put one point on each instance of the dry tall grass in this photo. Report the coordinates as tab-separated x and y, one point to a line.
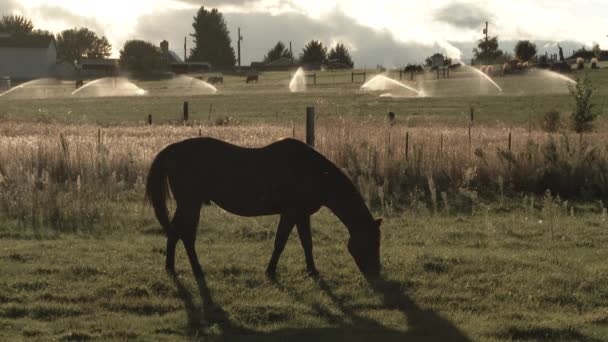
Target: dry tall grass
72	176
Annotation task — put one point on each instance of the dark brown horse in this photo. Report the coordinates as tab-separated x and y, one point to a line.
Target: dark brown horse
287	178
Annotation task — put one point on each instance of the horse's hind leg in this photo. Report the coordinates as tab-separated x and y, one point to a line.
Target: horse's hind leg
306	241
186	222
286	224
170	259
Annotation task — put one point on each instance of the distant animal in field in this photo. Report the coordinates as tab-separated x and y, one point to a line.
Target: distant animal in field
580	63
594	63
79	83
412	68
489	70
506	68
215	80
252	78
287	178
454	66
483	68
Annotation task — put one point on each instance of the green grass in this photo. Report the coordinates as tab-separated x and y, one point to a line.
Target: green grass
270	101
493	276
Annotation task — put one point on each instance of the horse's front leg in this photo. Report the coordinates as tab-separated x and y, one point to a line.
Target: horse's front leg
286	224
306	240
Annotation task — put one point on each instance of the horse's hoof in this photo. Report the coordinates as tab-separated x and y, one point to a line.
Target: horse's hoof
313	273
271	274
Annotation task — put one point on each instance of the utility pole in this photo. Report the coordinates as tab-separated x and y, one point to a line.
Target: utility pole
239	46
485	31
290	52
184	49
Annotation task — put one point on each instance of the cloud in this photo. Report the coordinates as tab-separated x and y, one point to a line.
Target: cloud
8	7
463	15
56	13
261	31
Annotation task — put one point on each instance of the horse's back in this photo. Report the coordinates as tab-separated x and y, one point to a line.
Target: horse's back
249	181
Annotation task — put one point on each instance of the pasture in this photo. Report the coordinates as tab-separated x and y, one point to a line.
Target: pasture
473	248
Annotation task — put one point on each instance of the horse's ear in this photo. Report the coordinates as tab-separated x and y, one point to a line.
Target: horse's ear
378	222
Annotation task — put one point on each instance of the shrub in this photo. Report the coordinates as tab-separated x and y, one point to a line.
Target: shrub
582	117
551	121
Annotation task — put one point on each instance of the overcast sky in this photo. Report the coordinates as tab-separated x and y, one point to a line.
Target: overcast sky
391	32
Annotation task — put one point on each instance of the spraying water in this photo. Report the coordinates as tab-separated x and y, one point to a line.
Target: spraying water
29	83
194	84
112	86
479	72
556	75
381	82
298	81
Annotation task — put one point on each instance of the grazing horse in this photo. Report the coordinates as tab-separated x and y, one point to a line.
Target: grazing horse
287	177
252	78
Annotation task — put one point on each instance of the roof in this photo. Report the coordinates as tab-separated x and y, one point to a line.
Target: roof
98	61
281	61
36	41
174	58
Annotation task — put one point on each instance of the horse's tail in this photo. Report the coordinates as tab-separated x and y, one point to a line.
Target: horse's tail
157	189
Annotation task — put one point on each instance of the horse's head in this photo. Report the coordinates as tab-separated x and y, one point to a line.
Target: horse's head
365	249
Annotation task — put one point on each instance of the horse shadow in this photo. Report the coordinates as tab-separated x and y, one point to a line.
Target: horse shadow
420	323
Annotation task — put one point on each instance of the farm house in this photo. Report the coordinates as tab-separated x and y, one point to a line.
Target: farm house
27	57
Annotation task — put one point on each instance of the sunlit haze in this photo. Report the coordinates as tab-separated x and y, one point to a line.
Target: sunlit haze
387	32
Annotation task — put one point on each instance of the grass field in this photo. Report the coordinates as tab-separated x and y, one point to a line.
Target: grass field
467	254
523	275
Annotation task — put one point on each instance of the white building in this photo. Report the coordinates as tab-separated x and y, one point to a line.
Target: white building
27	57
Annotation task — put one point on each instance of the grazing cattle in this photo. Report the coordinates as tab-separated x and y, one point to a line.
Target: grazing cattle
252	78
506	68
594	63
215	80
288	178
79	83
489	70
580	63
454	66
483	68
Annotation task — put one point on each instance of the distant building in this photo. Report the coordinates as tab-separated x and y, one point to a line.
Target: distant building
281	64
27	57
175	64
97	67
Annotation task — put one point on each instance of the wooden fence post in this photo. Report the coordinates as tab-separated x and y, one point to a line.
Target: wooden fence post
185	114
352	77
310	126
407	144
150	119
509	141
364	76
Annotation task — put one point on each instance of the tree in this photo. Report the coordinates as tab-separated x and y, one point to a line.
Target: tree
140	56
211	39
429	60
525	50
277	52
16	25
313	53
487	51
339	55
596	50
581	119
74	44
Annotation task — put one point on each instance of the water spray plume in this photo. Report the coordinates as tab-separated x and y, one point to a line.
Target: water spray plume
298	81
482	74
118	86
381	82
24	85
554	74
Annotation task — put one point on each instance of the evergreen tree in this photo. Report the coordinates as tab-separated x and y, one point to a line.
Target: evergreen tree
74	44
313	53
277	52
211	39
487	52
339	55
